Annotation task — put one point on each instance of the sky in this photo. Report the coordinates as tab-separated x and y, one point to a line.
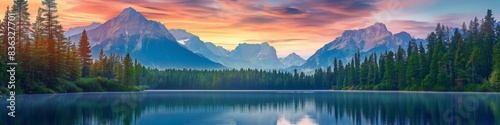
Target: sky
301	26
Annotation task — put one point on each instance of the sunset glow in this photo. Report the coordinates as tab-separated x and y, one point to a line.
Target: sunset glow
288	25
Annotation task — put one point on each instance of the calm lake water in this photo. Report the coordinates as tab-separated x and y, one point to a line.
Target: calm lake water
254	108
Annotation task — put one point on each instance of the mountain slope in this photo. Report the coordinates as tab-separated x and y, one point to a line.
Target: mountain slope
375	38
407	37
77	30
148	41
292	60
263	55
260	56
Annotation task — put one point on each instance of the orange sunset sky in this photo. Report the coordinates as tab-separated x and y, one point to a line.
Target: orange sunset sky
300	26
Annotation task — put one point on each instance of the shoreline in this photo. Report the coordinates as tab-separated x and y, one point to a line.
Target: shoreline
354	91
276	91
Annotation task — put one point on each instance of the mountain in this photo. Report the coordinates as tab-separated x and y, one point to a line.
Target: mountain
217	50
375	38
407	37
77	30
181	35
263	55
260	56
292	60
147	40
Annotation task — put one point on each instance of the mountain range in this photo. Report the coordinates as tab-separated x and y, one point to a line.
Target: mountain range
372	39
78	30
245	55
154	45
147	40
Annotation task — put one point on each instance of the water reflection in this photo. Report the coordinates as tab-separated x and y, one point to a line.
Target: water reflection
254	108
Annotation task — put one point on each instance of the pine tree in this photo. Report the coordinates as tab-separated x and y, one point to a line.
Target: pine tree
412	72
423	64
341	75
100	65
23	27
495	75
84	54
465	30
363	73
3	77
128	69
390	72
487	25
439	63
460	61
3	49
434	55
40	48
110	65
4	31
498	34
335	74
327	78
474	28
488	31
374	70
431	39
400	68
138	72
382	67
357	67
74	63
1	32
2	45
476	65
53	34
118	70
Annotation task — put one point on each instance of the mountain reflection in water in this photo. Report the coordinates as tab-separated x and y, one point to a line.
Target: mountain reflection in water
254	108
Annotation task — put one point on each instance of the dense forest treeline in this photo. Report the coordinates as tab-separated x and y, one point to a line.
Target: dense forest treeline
49	63
468	61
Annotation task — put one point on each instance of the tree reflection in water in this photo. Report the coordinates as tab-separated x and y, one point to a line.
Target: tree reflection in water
262	107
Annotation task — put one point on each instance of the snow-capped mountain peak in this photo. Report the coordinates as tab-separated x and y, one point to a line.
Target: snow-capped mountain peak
130	14
147	40
375	38
292	60
363	39
181	35
129	22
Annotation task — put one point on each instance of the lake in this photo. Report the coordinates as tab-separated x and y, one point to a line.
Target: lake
254	108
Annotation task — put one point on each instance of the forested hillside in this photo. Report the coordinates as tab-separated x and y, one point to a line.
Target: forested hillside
458	62
49	63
